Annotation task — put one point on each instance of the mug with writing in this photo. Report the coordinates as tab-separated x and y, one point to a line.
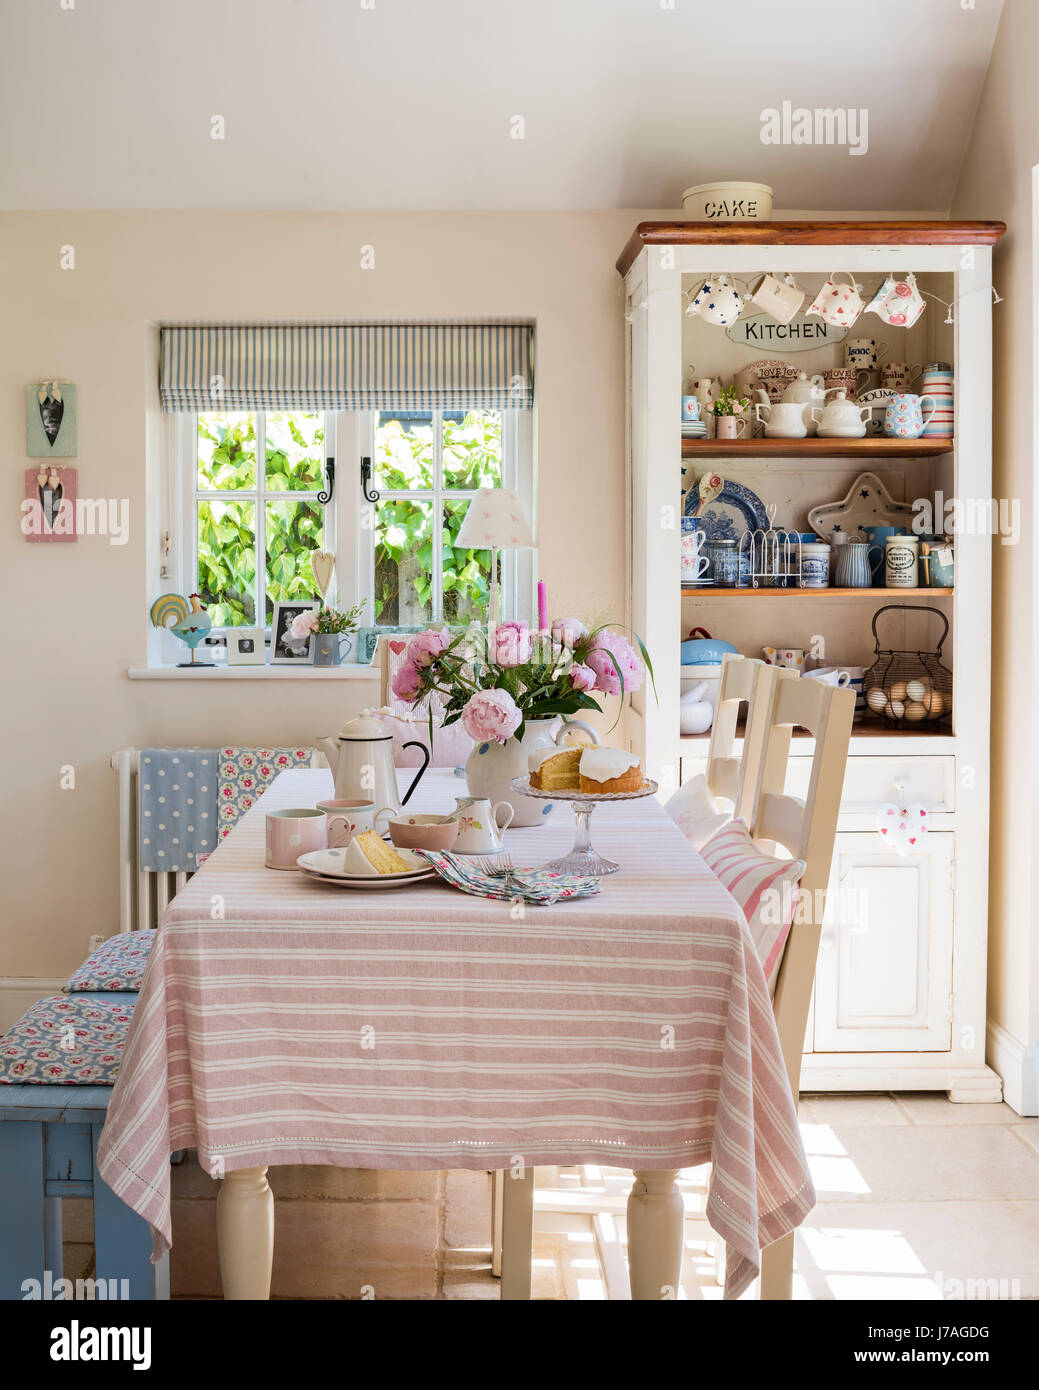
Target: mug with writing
899	376
292	832
863	352
847	379
349	816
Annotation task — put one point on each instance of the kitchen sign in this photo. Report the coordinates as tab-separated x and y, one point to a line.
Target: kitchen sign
800	334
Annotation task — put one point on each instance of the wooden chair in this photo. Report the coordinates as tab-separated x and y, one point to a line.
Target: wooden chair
806	830
744	681
779	701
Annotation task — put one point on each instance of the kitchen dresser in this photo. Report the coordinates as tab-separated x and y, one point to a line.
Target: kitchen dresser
900	987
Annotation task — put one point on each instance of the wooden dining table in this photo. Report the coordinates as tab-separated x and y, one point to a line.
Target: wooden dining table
284	1020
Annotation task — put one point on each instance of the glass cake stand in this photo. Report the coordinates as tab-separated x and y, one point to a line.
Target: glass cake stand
582	859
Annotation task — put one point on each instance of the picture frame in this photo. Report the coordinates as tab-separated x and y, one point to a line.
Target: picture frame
285	652
49	508
51	419
246	646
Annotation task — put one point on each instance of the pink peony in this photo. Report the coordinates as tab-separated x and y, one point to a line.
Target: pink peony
302	626
630	663
568	631
491	715
407	682
511	644
583	677
424	648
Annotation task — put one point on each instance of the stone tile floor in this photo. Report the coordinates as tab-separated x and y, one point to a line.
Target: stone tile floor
918	1198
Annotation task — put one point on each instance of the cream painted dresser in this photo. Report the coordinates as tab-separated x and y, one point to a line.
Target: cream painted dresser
900	987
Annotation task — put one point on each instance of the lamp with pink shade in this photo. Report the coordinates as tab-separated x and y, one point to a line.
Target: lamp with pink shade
494	522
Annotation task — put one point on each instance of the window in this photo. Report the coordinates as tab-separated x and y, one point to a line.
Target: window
245	516
253	516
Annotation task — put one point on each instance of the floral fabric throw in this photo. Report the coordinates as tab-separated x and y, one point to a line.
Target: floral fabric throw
118	964
246	773
67	1041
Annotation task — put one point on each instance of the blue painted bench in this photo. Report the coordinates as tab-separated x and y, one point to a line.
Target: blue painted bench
48	1149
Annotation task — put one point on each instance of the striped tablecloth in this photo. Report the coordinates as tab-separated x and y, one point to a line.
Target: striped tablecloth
285	1021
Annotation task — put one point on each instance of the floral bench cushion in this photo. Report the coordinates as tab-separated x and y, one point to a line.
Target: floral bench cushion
117	964
67	1041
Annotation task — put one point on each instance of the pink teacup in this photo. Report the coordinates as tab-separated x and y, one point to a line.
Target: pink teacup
293	832
348	817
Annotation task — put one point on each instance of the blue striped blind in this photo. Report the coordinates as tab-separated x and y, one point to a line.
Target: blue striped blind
353	366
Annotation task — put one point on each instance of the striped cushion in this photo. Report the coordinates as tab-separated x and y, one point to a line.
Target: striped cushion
764	887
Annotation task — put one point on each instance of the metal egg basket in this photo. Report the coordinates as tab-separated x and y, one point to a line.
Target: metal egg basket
908	690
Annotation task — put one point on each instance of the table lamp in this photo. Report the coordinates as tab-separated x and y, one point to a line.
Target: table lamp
494	521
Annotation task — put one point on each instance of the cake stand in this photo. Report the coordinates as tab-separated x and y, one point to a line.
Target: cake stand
582	858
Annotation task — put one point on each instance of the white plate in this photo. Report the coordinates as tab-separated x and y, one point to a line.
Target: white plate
327	864
867	503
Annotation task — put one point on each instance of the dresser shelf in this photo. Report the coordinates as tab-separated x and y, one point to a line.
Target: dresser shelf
820	595
875	448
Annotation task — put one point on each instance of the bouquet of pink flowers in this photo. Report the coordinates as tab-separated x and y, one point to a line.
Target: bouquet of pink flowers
495	681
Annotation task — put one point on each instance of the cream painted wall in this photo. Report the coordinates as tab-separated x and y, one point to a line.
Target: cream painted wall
76	614
997	181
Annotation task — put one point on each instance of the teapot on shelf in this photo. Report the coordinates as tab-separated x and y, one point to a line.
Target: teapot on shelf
840	418
361	759
807	392
783	419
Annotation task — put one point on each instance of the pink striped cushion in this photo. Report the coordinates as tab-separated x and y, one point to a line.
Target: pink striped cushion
764	887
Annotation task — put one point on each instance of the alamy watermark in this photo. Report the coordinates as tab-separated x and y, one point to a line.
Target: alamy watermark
819	125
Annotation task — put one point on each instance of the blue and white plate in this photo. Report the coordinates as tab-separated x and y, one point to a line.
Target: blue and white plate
736	509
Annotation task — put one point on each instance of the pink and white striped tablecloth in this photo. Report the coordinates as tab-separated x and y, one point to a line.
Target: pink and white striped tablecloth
285	1021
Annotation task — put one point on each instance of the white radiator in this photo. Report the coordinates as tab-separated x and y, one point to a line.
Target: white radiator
143	894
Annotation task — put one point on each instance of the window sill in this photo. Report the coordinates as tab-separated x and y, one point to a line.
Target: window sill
253	673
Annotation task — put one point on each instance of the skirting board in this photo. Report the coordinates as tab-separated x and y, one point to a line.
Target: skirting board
18	992
1018	1065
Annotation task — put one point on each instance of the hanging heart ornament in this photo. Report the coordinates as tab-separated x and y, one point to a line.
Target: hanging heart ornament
902	827
322	566
52	410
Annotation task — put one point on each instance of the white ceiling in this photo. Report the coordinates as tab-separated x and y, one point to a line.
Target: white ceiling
330	104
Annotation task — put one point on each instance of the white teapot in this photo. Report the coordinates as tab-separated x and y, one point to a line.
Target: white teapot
806	391
841	418
784	420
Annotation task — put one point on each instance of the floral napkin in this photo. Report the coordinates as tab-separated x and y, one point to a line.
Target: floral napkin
539	886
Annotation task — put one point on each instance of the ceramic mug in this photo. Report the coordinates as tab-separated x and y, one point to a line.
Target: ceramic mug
878	538
479	829
717	301
348	817
845	379
941	565
898	376
837	304
290	833
829	675
863	352
695	563
779	298
897	302
815	565
690	408
792	657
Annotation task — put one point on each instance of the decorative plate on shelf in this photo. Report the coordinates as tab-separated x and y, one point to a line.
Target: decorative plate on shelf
735	509
868	503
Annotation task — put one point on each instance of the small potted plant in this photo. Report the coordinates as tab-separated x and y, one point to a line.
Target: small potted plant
333	627
729	411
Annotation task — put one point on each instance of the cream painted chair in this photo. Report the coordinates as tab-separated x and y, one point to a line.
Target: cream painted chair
779	702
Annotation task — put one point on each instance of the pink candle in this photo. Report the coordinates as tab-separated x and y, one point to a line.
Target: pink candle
542	607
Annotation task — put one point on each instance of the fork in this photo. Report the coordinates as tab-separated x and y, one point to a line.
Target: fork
502	867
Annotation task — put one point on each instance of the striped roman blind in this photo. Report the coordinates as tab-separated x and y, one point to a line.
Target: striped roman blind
352	366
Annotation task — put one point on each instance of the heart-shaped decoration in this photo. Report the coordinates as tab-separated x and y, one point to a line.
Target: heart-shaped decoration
902	827
322	566
397	647
52	412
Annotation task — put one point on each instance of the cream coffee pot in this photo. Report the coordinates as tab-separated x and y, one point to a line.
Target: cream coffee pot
361	759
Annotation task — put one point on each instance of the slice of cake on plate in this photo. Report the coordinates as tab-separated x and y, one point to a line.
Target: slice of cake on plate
555	769
369	853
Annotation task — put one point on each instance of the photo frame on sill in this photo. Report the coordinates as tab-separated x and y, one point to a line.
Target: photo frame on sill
287	650
246	647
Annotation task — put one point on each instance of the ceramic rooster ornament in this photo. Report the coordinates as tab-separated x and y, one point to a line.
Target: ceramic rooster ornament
188	621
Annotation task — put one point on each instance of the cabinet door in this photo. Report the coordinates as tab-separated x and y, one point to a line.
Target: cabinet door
885	963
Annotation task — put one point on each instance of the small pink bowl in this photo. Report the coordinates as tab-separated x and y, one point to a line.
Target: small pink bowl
423	832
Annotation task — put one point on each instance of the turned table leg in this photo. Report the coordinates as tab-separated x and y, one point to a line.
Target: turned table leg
655	1235
245	1231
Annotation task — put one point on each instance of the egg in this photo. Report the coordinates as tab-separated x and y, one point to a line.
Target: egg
937	704
917	689
895	709
915	711
898	691
876	699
